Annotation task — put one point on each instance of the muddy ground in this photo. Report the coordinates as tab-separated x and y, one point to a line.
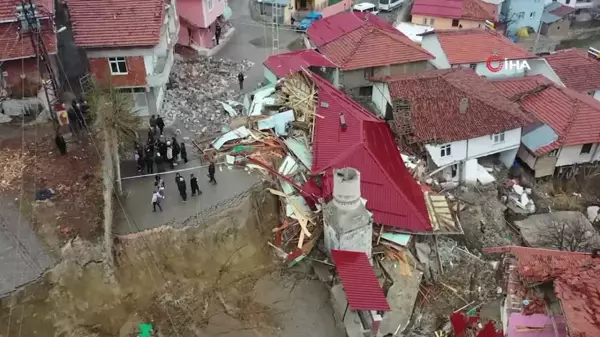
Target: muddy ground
216	279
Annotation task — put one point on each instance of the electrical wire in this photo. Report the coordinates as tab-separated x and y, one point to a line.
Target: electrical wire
22	197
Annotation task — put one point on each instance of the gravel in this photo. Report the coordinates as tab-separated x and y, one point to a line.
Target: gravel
196	86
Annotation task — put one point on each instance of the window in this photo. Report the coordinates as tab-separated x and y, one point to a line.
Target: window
521	15
424	21
209	4
498	137
118	65
431	21
369	72
454	23
586	148
445	150
138	97
553	153
454	170
567	2
531	15
473	66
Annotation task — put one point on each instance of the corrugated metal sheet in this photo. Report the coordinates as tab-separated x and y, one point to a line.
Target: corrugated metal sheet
360	283
366	144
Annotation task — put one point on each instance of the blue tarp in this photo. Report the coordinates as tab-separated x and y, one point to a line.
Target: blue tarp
538	137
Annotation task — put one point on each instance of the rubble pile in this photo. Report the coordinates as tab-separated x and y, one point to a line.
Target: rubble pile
272	137
196	89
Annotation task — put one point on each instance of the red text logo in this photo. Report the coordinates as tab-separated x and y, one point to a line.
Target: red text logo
494	63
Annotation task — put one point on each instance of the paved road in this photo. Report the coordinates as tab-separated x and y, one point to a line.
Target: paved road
246	43
22	257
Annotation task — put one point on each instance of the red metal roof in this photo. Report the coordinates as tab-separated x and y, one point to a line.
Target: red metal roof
576	70
116	23
575	117
576	283
464	46
360	40
12	46
287	63
360	283
434	98
367	144
456	9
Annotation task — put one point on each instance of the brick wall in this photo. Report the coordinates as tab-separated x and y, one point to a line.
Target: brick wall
135	77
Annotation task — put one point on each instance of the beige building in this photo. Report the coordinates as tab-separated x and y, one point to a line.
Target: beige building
454	14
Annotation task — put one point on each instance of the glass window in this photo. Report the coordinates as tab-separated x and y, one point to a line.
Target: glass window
498	137
586	148
118	65
445	150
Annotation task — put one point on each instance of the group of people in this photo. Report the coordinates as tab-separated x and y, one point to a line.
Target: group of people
159	186
158	150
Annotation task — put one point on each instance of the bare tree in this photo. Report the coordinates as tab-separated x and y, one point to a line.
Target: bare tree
573	236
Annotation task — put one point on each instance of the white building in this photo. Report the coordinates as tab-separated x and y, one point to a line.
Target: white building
456	116
567	132
472	48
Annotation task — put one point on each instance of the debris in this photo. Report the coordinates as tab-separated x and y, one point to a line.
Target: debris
197	91
592	213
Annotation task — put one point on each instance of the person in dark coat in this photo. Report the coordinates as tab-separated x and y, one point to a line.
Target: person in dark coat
181	186
151	135
73	121
241	81
194	185
159	160
217	33
153	122
183	152
176	149
211	173
149	159
161	124
139	160
61	144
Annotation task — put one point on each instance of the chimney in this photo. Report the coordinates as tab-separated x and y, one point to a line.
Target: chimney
346	188
464	105
343	121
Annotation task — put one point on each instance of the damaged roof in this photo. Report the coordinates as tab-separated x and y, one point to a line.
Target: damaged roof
575	69
361	40
116	23
556	11
477	45
366	144
574	117
434	98
359	281
575	277
456	9
287	63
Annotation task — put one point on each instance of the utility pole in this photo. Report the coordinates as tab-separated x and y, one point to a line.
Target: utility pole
29	17
276	9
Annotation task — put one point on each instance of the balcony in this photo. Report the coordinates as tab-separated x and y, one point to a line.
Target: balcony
162	69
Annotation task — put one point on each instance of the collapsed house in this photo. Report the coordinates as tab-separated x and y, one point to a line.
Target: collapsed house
550	293
339	172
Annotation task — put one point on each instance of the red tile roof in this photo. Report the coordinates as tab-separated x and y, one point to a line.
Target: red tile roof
359	281
575	69
475	45
12	46
562	10
8	7
367	144
116	23
360	40
434	98
575	117
287	63
576	283
456	9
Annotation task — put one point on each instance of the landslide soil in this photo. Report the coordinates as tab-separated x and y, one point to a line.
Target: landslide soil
214	279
